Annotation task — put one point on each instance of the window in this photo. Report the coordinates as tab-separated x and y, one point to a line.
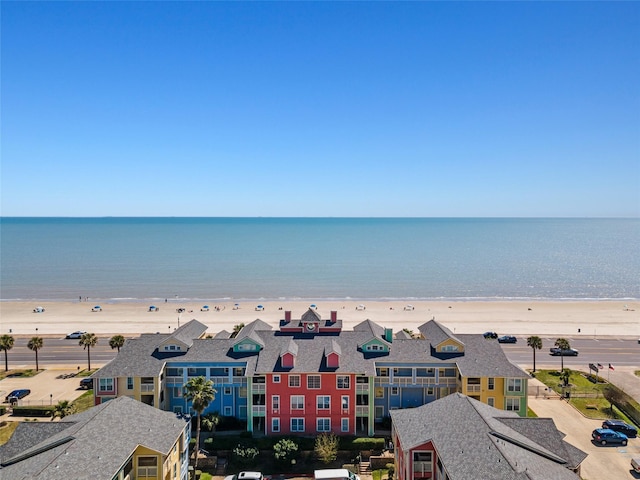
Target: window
106	385
227	390
228	411
297	424
177	392
491	401
196	372
147	467
422	463
323	402
294	380
345	402
512	404
491	383
343	381
379	412
449	348
238	371
323	425
174	372
177	409
383	372
394	390
297	402
275	402
275	424
129	383
242	392
276	379
313	382
430	391
514	384
344	425
379	392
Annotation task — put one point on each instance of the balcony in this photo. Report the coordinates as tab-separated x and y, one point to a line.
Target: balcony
258	388
147	387
473	388
362	388
362	410
259	410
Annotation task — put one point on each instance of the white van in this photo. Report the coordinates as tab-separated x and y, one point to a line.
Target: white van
335	474
635	464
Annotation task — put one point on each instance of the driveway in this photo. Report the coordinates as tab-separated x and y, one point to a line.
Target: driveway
602	462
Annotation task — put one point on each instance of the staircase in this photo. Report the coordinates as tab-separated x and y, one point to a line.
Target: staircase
364	467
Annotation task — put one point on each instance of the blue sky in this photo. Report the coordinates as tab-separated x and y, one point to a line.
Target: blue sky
320	109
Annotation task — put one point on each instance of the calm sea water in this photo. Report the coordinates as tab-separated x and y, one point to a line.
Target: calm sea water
318	258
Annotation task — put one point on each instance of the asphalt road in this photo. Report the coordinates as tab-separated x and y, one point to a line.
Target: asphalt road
58	351
617	352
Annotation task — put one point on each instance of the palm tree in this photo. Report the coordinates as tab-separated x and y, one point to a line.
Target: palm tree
210	421
62	409
6	344
87	341
35	344
535	343
201	393
116	341
562	344
564	376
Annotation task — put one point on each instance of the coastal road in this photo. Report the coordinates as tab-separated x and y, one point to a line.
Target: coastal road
605	350
58	351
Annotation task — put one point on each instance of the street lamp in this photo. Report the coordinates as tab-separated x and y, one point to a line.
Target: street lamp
51	399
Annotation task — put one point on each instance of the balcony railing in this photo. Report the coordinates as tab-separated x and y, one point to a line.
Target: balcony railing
259	410
147	387
362	411
362	388
473	388
258	388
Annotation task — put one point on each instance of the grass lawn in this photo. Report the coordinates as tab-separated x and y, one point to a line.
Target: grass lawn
83	402
594	406
7	431
30	372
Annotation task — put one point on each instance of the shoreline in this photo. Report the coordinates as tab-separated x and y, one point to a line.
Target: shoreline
617	317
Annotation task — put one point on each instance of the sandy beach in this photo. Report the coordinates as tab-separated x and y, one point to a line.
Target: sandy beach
567	318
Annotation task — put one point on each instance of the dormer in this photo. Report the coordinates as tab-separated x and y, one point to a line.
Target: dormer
288	354
250	343
450	345
172	345
310	321
375	345
332	354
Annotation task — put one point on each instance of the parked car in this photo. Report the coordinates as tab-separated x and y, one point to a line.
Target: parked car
635	464
606	436
620	426
409	308
38	310
205	308
86	383
17	395
245	476
490	335
73	335
507	339
558	352
361	307
96	308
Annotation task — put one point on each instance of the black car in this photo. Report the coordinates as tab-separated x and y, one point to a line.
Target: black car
86	383
620	426
507	339
490	335
17	395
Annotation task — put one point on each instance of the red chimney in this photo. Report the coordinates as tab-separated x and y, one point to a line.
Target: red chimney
287	316
334	316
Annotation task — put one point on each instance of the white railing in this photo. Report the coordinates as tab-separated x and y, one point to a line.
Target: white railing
258	388
473	388
362	388
147	387
146	472
259	410
362	410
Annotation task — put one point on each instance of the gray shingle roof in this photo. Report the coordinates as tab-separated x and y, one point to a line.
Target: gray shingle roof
474	440
481	357
93	450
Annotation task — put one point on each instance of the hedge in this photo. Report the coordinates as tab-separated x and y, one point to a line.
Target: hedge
33	411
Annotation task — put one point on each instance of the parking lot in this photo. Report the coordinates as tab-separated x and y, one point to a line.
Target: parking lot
612	462
46	388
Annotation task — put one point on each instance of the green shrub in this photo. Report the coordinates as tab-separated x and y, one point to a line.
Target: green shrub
33	411
326	447
368	443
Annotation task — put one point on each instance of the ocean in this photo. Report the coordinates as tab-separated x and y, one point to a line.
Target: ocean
319	258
